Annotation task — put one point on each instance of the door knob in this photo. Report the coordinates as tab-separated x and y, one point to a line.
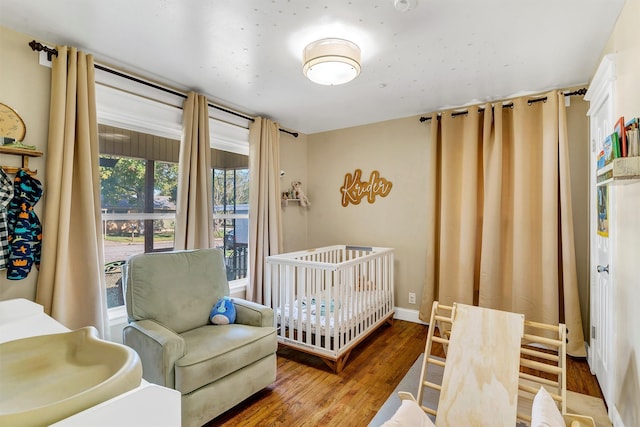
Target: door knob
605	269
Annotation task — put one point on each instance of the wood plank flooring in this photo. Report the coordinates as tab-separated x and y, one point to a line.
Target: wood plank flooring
308	393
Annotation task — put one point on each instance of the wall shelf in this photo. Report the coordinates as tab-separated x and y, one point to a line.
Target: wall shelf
621	170
285	202
25	153
303	204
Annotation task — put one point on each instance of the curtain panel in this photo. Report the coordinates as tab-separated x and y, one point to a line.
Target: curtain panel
500	230
71	284
194	207
265	224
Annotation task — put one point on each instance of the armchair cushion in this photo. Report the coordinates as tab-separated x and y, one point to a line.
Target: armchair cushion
218	350
159	294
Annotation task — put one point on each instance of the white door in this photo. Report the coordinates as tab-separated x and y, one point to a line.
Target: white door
601	291
602	271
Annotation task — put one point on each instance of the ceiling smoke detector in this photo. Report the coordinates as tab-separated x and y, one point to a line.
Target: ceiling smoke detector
404	5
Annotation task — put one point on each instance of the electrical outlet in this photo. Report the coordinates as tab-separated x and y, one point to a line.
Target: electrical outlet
412	298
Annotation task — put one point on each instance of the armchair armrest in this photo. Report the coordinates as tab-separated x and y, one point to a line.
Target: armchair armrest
158	348
252	314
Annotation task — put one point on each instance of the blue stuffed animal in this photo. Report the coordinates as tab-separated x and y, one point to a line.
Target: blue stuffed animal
224	312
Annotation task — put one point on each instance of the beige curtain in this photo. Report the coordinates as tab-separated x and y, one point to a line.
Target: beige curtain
194	208
265	226
71	284
500	229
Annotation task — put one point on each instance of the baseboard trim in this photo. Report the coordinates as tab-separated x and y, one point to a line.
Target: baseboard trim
408	315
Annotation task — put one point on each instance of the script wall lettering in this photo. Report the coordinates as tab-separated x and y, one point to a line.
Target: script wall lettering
354	189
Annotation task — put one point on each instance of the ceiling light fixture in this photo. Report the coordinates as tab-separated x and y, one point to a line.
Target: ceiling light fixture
331	61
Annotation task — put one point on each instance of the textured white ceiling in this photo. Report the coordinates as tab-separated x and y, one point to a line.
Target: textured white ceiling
246	54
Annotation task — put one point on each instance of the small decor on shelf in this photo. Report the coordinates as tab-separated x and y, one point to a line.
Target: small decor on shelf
298	193
295	193
284	200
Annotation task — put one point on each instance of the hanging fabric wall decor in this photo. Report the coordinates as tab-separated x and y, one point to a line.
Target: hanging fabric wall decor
6	194
25	231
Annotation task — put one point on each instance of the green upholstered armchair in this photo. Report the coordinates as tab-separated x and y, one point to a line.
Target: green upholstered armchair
169	296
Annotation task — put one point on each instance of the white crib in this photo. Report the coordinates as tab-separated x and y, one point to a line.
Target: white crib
327	300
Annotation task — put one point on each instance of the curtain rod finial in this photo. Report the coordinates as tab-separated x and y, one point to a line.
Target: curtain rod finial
40	47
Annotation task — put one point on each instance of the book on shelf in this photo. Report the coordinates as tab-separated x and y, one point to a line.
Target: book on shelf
619	130
600	163
615	143
606	155
632	134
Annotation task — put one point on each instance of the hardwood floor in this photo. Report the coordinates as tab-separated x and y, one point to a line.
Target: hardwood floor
308	393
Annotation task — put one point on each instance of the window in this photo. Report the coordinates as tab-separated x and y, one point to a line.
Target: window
138	201
231	218
139	131
137	197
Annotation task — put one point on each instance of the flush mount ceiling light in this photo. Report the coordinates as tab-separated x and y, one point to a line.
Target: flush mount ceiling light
331	61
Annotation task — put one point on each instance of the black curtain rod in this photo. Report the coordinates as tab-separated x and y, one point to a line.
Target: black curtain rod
579	92
51	52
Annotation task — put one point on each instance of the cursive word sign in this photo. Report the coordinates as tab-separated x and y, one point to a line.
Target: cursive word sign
354	190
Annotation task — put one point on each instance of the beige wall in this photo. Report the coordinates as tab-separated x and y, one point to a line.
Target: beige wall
293	161
397	150
626	229
25	87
